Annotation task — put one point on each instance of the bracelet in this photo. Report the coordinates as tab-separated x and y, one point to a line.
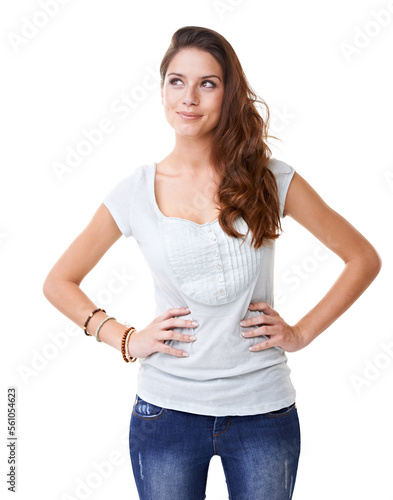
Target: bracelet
89	318
123	342
100	325
130	358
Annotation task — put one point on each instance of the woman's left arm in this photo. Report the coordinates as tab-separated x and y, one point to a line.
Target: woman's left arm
362	264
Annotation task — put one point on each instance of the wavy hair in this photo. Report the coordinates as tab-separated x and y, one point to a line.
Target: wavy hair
239	152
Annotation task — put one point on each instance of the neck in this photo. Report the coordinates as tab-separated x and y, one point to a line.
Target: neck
191	154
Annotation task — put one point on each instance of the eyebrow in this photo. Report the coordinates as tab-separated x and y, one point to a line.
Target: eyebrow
201	77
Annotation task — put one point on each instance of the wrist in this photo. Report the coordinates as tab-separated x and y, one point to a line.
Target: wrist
128	349
305	336
110	333
94	321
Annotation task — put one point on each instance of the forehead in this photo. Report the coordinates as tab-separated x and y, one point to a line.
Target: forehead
195	62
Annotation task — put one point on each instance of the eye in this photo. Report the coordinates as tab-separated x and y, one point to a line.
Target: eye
172	82
211	84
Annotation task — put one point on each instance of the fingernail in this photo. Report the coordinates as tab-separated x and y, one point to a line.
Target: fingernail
242	323
195	323
185	353
192	337
187	309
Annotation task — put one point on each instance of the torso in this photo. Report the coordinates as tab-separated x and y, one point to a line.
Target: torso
186	197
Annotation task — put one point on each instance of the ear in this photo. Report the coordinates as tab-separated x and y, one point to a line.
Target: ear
162	94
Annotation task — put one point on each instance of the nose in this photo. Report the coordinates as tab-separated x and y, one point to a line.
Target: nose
190	97
188	102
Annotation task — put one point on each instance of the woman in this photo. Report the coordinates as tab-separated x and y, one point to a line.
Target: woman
206	218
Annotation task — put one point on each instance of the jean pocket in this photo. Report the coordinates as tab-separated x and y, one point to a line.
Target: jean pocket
145	410
282	412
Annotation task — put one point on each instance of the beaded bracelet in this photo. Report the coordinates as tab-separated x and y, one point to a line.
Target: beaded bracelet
100	325
123	342
89	318
128	356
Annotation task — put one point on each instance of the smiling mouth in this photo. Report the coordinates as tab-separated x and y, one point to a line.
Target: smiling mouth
189	116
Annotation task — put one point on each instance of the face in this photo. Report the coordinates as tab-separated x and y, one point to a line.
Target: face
192	93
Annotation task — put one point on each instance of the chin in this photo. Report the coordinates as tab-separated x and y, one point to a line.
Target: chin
192	133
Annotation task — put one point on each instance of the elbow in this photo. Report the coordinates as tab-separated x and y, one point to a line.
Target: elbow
51	287
55	286
48	287
376	263
372	262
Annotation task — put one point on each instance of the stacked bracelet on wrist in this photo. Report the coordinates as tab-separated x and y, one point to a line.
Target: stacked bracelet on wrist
128	356
100	325
124	341
124	345
89	318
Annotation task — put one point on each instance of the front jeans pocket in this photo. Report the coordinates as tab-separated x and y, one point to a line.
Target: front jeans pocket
145	410
282	412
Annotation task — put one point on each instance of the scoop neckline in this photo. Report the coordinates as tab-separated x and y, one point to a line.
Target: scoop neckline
155	204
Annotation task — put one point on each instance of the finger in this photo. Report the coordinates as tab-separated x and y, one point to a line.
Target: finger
171	335
267	344
167	349
257	332
263	319
262	306
173	312
179	323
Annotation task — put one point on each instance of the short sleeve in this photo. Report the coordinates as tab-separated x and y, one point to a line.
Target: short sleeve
119	202
283	174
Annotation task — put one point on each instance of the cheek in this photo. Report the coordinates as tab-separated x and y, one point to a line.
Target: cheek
216	106
168	114
168	99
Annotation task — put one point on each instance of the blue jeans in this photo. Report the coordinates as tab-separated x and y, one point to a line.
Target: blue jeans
170	452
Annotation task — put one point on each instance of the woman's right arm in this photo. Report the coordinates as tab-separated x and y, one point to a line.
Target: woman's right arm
61	288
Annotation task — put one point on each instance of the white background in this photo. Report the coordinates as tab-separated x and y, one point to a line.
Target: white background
332	108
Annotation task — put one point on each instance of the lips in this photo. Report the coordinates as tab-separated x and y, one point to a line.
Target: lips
189	115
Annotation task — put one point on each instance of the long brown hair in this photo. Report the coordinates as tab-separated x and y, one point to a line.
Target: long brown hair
239	149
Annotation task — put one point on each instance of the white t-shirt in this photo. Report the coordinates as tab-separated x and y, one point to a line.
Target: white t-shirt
201	267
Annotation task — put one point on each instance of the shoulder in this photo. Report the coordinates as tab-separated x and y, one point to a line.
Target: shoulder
133	178
279	167
283	173
120	200
122	191
140	172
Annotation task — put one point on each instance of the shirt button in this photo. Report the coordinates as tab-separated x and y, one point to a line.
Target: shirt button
209	230
222	292
213	239
220	279
216	253
219	266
